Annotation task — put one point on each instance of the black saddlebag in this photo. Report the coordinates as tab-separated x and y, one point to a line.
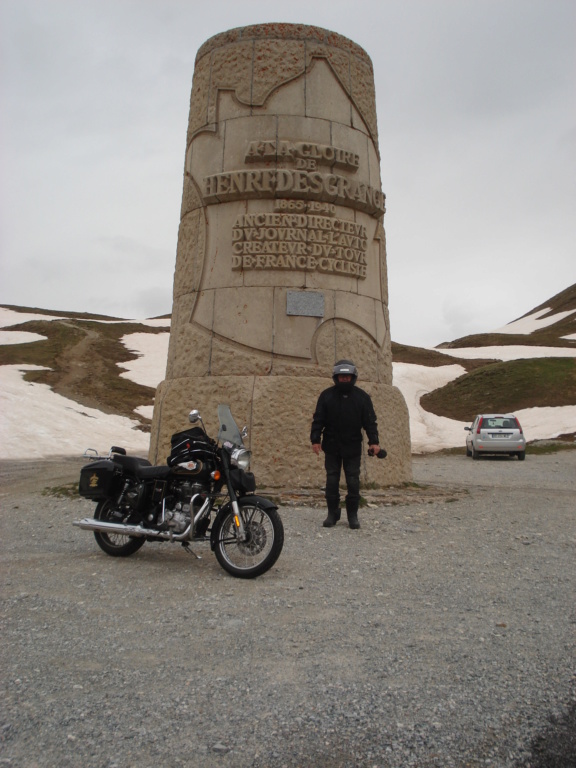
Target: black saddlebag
96	480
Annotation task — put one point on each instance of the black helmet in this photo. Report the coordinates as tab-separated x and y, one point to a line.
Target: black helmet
344	368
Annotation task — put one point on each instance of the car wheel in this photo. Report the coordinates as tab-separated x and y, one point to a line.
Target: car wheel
521	455
468	451
475	454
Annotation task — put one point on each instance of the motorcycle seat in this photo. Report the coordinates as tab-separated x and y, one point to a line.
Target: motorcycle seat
153	473
131	464
141	468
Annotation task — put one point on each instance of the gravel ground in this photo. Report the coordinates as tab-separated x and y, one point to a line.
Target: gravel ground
440	634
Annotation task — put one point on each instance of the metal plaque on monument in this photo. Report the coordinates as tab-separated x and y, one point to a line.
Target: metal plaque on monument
281	260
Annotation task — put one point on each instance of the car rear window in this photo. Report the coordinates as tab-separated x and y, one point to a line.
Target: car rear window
500	423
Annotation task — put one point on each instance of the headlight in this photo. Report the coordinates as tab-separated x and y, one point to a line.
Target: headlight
241	458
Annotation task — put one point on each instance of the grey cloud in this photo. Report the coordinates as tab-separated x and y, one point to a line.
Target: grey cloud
476	132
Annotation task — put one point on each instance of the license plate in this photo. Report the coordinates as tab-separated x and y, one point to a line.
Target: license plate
500	436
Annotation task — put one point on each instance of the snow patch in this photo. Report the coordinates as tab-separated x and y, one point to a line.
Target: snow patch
149	368
19	337
534	322
518	352
428	432
35	422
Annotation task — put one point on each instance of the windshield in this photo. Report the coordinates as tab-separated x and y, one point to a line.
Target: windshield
229	431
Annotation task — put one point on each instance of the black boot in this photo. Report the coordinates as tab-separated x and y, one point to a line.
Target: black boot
353	521
332	519
352	512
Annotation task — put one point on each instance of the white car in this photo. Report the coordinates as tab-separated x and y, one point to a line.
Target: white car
495	433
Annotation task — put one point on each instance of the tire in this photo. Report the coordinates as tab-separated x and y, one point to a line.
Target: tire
521	455
468	452
115	544
251	558
475	454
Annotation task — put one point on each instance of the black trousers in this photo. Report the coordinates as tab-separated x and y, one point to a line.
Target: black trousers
334	464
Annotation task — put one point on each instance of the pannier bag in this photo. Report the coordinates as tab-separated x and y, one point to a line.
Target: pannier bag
96	479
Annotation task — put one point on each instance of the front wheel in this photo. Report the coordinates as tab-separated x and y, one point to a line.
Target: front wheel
264	541
115	544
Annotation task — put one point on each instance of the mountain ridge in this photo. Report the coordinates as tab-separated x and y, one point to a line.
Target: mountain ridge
548	336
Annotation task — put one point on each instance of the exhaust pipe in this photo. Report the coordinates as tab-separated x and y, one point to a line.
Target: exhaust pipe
91	524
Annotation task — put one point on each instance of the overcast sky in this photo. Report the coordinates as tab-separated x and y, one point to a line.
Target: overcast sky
476	109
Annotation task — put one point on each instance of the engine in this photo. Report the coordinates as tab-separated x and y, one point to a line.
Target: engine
180	506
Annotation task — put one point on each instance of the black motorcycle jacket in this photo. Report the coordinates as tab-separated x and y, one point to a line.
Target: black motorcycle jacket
339	419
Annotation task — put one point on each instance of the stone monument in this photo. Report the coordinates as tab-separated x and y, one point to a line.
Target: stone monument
281	258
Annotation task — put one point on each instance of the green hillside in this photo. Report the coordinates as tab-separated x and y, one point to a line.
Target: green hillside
505	388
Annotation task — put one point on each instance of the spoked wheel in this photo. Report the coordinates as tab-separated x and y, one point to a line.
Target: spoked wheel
262	547
115	544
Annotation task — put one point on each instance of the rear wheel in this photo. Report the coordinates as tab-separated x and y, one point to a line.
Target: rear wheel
475	454
264	541
521	455
115	544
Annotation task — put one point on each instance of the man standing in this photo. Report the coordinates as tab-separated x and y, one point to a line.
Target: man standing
342	411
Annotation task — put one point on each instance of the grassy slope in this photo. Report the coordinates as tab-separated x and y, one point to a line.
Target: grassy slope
402	353
53	313
82	357
505	388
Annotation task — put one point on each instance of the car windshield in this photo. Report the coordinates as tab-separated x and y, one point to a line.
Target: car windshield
499	423
229	431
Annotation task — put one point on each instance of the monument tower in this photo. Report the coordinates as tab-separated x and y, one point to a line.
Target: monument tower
281	258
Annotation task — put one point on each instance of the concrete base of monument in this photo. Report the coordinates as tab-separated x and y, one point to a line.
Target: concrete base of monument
278	413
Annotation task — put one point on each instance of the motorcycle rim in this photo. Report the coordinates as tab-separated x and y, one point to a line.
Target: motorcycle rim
115	544
264	542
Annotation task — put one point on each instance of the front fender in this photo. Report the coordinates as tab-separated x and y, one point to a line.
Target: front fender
244	501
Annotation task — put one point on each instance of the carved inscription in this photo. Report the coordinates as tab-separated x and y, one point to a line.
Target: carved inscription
284	182
304	154
301	241
303	233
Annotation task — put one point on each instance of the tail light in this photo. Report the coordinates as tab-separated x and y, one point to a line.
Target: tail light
479	427
518	425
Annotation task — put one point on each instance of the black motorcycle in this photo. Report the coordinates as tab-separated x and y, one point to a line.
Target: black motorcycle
205	493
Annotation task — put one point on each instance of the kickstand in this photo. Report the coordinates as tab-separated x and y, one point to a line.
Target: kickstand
190	551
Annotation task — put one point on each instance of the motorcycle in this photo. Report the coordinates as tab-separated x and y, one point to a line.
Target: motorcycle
205	493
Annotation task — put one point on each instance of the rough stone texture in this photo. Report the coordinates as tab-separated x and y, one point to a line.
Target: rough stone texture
281	192
255	60
277	411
